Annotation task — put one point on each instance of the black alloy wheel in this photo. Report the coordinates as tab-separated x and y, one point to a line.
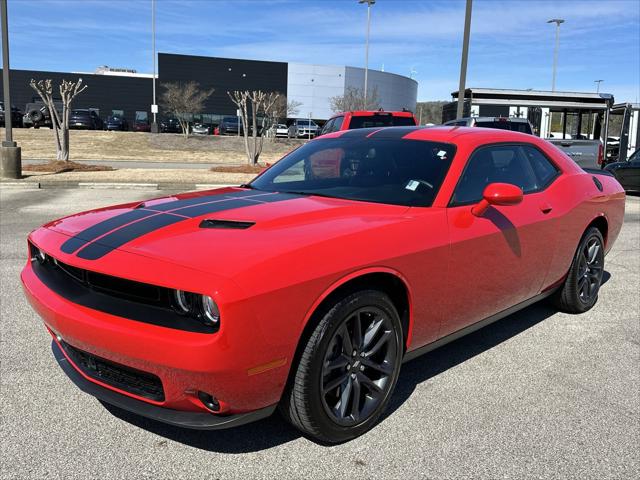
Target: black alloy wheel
347	368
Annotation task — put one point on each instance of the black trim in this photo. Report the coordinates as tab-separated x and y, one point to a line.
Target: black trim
226	224
598	171
475	326
199	421
559	171
82	293
125	378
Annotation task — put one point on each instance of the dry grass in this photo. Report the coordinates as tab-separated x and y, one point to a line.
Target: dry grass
254	169
136	146
60	166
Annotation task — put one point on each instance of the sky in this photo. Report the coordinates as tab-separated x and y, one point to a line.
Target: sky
511	44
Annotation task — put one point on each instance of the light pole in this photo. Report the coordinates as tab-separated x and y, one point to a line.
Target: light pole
598	82
463	62
11	156
366	50
154	106
557	21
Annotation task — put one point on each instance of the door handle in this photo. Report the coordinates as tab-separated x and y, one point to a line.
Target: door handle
545	208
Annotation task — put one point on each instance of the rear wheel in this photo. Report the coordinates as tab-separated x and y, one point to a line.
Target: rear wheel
348	369
580	290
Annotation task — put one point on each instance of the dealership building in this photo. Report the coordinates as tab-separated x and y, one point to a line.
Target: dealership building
309	85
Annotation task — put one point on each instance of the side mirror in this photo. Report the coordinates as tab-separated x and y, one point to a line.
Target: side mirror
497	194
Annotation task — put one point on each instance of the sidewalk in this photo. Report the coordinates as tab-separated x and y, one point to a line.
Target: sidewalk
139	178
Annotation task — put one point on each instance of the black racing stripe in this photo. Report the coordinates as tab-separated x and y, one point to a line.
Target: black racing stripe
125	234
214	207
172	205
359	132
130	232
89	234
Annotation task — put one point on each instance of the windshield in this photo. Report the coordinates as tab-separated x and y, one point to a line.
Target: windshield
307	123
230	119
522	127
399	172
380	121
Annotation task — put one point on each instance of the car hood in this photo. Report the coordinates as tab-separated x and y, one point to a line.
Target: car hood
220	231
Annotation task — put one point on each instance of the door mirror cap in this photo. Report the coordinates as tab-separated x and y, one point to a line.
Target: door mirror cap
498	194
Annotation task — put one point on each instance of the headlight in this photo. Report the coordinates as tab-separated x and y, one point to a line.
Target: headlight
37	254
210	310
200	307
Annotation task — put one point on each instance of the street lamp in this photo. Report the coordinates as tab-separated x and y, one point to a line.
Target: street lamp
366	50
463	62
557	21
11	161
598	82
154	106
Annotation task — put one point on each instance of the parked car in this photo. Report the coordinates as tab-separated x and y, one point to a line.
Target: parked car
36	115
279	130
84	118
627	172
229	126
303	127
586	153
141	125
367	244
515	124
368	119
116	122
170	125
16	116
202	129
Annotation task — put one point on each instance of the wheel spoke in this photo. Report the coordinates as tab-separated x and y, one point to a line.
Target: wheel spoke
583	285
355	399
384	368
374	389
384	338
593	252
345	393
371	332
357	331
347	346
337	363
335	383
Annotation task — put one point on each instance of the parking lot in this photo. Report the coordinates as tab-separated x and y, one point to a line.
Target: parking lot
539	394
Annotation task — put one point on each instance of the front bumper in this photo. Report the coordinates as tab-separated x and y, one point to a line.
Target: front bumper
195	420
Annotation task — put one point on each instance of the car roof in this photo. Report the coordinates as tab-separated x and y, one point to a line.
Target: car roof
440	133
368	113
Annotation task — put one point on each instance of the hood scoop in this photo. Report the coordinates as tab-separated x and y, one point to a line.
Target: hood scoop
226	224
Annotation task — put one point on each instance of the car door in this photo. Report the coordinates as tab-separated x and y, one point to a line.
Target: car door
501	258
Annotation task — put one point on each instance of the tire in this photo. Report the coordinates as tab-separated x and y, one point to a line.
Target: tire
579	292
368	373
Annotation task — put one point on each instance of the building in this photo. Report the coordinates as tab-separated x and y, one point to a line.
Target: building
310	85
552	114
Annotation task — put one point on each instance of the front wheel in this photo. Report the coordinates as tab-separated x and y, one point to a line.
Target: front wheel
580	290
348	369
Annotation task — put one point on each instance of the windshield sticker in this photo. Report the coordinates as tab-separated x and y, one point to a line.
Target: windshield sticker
412	185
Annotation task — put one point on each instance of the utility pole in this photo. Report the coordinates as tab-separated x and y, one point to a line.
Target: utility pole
557	21
463	63
598	82
11	153
366	50
154	106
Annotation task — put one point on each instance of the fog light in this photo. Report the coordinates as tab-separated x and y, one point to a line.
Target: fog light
209	401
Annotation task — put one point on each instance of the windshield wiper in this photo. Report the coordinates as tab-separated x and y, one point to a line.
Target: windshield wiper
301	192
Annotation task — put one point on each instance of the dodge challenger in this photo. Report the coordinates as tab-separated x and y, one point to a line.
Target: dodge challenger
307	288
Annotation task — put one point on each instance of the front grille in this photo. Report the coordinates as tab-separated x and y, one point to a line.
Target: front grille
124	378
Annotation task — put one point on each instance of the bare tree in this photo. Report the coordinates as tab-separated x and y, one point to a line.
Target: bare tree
283	109
430	112
257	104
183	100
353	99
59	121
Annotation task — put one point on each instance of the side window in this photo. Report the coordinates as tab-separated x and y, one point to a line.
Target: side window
491	164
337	123
327	127
544	170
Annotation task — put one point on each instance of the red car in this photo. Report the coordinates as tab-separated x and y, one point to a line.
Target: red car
368	119
310	286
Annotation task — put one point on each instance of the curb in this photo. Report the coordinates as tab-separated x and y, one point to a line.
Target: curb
113	185
20	185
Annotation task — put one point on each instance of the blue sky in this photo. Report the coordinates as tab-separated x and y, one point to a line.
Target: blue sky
511	43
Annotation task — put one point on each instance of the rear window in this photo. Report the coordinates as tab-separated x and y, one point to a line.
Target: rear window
521	127
380	121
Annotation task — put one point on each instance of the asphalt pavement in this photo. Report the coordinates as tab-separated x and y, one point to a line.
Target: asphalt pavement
539	394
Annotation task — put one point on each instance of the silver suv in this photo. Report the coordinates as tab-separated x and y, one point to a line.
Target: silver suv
303	127
514	124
